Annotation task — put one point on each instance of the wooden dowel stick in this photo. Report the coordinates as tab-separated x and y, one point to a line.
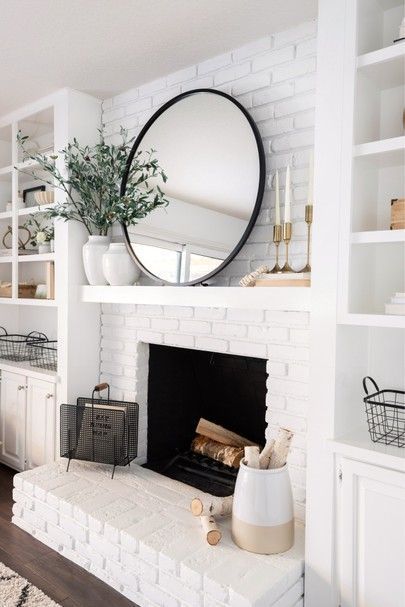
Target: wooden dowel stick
252	457
212	533
215	506
265	455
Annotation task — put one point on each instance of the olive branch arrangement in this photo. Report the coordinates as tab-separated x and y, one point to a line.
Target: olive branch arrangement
91	181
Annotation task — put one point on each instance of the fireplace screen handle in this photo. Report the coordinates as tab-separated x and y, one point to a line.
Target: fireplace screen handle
100	387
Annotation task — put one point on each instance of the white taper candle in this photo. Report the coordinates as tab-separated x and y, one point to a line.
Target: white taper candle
287	199
278	218
310	199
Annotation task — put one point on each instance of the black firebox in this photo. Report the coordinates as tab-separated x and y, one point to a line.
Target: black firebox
185	385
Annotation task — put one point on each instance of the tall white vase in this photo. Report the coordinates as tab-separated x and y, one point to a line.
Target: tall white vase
93	252
262	512
118	267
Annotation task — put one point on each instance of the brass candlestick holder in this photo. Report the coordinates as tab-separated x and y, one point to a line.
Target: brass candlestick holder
287	232
309	213
277	237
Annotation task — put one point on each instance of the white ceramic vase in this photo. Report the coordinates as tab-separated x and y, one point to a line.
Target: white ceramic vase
118	267
93	252
44	248
262	513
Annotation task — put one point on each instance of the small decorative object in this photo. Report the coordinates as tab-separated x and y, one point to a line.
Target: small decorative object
23	240
262	513
250	279
50	280
287	226
92	190
93	252
118	266
309	211
385	411
45	197
401	32
397	305
277	229
298	279
42	242
41	292
215	506
397	214
29	197
210	529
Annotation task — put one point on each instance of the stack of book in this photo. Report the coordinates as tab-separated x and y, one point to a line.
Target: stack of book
396	305
289	279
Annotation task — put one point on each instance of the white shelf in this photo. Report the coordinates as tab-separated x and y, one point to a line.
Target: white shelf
36	257
6	259
48	303
6	215
385	66
271	298
358	445
383	146
37	209
6	171
373	320
31	164
28	370
378	236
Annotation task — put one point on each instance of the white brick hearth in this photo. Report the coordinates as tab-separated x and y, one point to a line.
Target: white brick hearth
281	337
136	533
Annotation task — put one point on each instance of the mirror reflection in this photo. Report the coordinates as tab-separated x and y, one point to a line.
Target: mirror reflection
209	151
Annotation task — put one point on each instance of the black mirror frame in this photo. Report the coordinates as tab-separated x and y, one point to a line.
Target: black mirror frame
259	197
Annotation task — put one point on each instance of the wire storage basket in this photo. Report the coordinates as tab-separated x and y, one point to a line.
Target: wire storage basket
46	355
18	347
385	410
99	430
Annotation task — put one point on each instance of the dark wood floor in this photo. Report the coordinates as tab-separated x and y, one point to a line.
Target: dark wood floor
63	581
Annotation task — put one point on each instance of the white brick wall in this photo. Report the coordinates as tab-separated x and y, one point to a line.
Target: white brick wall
274	79
280	337
153	551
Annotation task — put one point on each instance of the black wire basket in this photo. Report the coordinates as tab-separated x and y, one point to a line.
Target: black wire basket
385	410
46	355
18	347
99	430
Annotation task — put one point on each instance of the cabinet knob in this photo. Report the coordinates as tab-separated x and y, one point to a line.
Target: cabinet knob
49	395
21	387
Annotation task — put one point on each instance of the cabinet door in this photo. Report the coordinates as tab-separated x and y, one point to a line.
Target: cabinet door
372	536
12	419
40	428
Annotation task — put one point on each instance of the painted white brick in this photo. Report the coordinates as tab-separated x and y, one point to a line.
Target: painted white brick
113	114
248	349
152	337
179	311
124	98
253	48
247	316
215	63
195	326
152	87
305	84
138	106
58	535
206	82
272	58
182	75
157	595
251	83
274	93
306	48
229	330
165	95
164	324
304	121
292	106
210	313
232	73
211	344
293	70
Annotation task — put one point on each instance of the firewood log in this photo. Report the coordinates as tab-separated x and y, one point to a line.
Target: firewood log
252	457
231	456
250	279
210	528
281	448
221	435
215	506
265	455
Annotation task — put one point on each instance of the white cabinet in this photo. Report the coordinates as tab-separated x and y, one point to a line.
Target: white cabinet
371	535
40	424
12	419
27	421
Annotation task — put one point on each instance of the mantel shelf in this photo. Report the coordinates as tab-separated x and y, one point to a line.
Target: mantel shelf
271	298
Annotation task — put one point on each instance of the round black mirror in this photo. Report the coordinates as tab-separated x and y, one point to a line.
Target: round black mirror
212	153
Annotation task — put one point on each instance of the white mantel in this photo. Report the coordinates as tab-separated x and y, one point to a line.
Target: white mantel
295	299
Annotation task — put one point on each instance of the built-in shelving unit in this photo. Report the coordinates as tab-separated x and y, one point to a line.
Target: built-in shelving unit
51	123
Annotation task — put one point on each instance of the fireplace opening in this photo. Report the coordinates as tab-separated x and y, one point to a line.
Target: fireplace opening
187	385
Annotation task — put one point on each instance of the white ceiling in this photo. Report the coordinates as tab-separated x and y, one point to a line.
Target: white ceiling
105	47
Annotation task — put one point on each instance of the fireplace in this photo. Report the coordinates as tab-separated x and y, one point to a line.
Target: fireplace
185	385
